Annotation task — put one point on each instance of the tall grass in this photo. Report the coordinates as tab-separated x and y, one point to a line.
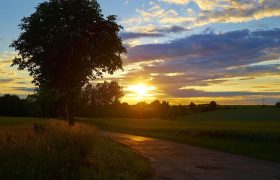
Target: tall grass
53	150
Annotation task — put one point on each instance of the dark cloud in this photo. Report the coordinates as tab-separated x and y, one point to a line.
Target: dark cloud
171	29
231	48
254	70
198	93
23	82
8	80
154	33
248	78
26	89
211	56
135	35
208	58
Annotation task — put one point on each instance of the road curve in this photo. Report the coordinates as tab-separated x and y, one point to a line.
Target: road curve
176	161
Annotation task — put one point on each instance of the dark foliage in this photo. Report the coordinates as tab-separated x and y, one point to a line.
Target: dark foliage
193	107
277	105
11	105
212	106
96	99
100	100
155	109
63	45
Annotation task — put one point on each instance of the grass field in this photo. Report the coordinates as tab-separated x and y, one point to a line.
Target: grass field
252	132
55	151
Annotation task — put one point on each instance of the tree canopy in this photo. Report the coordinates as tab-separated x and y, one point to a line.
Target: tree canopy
103	94
66	43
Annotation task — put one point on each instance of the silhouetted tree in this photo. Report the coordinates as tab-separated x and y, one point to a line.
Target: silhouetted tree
10	105
165	110
155	104
100	96
277	105
63	45
192	107
108	93
212	106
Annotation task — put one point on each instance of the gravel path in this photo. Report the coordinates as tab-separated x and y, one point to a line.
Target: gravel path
172	160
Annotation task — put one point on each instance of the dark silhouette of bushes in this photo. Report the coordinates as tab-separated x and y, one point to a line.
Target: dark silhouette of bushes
12	105
193	107
100	100
212	106
277	105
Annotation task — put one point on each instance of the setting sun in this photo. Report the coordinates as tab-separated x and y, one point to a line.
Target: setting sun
141	91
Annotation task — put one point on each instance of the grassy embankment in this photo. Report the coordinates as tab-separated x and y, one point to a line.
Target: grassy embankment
252	132
55	151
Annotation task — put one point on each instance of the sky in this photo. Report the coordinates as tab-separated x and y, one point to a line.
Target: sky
178	50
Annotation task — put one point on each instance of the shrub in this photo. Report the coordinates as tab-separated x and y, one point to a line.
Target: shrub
212	106
193	107
277	105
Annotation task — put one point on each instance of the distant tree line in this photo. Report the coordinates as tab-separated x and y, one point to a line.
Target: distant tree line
97	100
101	100
155	109
12	105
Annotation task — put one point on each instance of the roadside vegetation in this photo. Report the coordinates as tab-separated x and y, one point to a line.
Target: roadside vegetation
252	131
52	150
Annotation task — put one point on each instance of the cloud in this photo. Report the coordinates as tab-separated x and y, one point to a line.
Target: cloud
134	38
222	50
202	4
6	80
133	35
236	11
247	78
171	29
206	12
208	59
25	89
176	1
200	93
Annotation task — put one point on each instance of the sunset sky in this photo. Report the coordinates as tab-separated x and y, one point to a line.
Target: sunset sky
178	50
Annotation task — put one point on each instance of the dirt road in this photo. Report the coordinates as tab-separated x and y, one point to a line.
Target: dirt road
180	161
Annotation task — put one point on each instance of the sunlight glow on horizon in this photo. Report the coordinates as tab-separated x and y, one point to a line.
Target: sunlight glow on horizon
140	92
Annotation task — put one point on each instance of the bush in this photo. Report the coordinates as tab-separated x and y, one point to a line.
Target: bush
53	151
277	105
212	106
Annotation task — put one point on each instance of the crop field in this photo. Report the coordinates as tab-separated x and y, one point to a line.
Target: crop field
252	132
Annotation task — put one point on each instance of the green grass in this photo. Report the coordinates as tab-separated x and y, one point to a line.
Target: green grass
18	121
56	151
252	132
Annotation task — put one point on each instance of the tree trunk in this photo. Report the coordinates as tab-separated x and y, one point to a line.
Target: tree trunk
68	115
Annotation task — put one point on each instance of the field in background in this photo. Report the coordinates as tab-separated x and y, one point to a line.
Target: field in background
252	132
55	151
